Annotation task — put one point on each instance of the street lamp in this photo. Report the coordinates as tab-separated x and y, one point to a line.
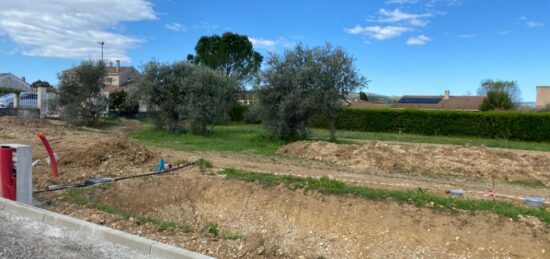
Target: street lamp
101	43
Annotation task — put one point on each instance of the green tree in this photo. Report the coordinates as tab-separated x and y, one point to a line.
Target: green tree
231	53
335	76
80	98
363	96
284	101
304	81
497	100
183	93
509	87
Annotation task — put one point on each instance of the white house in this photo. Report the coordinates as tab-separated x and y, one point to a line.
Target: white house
8	80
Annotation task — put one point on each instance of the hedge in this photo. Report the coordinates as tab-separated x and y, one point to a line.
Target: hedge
7	90
502	125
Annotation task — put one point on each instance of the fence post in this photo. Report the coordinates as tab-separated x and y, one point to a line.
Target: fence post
42	101
16	101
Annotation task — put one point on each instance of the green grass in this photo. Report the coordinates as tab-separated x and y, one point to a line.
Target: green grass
233	236
253	138
212	228
419	197
323	134
229	138
80	196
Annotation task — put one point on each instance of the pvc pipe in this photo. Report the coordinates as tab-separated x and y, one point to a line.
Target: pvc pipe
53	162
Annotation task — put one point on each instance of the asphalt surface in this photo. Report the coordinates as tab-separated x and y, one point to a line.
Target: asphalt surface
26	238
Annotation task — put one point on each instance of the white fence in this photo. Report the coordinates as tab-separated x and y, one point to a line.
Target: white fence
28	100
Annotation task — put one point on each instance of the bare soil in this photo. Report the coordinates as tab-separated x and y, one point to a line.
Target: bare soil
283	223
442	160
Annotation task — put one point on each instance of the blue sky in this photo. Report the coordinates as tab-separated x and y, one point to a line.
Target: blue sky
402	46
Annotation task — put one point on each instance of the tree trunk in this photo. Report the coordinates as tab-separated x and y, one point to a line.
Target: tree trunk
330	118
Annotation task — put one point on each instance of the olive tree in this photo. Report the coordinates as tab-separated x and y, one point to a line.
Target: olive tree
80	100
284	101
334	77
304	81
185	96
208	99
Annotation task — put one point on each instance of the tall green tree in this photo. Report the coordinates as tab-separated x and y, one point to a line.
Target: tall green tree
231	53
80	98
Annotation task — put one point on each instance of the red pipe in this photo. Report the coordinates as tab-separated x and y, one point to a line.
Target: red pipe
7	177
53	162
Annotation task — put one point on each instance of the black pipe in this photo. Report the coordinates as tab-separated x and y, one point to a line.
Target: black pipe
105	180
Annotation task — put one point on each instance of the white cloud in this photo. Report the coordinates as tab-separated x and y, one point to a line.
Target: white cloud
420	40
270	45
70	28
534	24
176	27
529	23
397	16
401	1
468	36
378	32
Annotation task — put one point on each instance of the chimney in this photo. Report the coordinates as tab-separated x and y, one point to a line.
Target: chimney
23	78
117	65
447	94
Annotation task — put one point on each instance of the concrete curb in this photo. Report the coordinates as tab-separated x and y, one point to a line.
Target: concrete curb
141	244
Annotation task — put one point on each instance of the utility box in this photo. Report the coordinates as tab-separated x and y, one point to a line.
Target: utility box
16	172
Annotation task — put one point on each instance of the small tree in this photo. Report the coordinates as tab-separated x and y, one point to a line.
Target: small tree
183	92
209	97
304	81
497	100
285	104
335	77
509	87
363	96
80	96
232	54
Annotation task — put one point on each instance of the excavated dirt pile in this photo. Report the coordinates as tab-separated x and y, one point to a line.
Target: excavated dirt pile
118	151
443	160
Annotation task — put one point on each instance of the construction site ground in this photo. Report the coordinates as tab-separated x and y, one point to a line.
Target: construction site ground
228	218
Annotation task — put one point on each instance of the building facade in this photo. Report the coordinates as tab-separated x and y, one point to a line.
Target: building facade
543	97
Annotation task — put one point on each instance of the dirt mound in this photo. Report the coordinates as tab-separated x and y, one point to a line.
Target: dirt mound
445	160
116	152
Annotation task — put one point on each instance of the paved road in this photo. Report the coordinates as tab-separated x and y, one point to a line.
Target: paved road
25	238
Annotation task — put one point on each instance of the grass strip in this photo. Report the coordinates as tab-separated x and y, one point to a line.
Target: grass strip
418	197
80	196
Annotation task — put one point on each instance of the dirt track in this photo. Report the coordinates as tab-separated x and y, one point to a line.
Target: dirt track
278	222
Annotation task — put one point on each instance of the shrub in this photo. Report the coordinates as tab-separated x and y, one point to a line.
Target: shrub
8	90
80	99
505	125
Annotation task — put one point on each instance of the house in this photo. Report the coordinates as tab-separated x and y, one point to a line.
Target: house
119	78
440	102
8	80
543	97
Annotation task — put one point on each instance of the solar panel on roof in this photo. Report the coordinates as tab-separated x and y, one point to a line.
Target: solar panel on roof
419	100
